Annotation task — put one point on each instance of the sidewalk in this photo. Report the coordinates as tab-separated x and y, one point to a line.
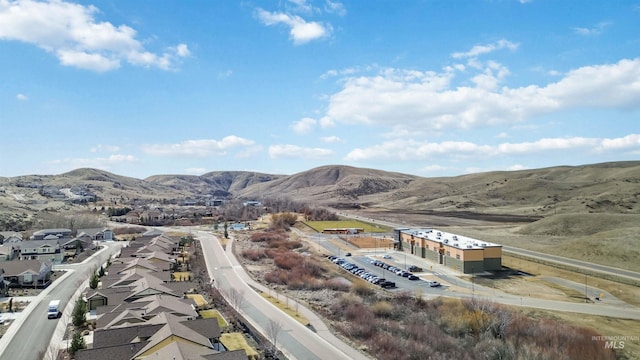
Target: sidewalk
315	322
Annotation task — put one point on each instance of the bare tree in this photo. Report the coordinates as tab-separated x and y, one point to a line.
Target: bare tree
236	298
273	331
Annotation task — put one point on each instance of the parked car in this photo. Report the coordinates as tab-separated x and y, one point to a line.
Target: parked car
388	285
347	254
387	256
413	268
413	277
434	283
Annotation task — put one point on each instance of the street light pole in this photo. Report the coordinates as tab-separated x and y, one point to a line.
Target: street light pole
586	295
405	258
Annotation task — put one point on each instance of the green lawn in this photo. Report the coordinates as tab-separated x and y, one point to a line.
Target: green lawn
368	228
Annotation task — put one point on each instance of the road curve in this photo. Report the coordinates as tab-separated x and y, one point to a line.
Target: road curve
294	339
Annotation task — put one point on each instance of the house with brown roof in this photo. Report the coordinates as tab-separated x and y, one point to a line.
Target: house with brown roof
27	273
163	336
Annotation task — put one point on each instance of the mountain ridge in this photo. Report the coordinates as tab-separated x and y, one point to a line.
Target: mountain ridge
601	187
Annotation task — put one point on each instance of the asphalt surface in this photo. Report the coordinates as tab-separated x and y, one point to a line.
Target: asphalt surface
576	263
30	335
295	340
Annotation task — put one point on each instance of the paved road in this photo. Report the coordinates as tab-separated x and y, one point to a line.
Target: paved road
294	339
31	333
577	263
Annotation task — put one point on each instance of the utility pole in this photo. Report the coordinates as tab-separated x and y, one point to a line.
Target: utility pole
586	295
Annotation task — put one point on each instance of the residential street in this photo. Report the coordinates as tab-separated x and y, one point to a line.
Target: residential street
294	340
31	333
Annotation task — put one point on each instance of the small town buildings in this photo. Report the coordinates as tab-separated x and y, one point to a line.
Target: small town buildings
58	233
460	253
97	234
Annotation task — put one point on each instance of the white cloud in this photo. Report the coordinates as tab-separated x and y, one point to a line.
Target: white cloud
195	171
485	49
628	142
300	31
22	97
596	30
108	148
304	125
426	100
182	50
335	7
516	167
331	139
71	32
412	150
302	6
97	163
502	135
198	148
294	151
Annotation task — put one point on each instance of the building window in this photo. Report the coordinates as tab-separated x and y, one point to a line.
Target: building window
458	256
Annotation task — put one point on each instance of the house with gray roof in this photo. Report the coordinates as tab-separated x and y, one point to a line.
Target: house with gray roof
43	250
58	233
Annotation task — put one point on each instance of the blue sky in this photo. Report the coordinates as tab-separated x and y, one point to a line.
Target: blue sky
430	88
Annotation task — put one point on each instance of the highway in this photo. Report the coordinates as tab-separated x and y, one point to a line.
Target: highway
575	263
29	336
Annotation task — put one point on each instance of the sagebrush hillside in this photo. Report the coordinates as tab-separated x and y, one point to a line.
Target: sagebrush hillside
607	188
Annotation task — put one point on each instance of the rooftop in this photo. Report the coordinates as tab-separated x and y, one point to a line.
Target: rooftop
458	241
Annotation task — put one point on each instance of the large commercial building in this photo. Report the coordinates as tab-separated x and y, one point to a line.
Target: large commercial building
460	253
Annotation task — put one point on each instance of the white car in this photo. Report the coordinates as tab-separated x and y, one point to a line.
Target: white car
434	283
387	256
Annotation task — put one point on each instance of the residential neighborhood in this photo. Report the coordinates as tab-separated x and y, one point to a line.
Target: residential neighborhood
141	309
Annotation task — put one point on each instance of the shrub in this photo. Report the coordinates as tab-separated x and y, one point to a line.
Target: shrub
382	309
362	288
338	284
288	260
254	254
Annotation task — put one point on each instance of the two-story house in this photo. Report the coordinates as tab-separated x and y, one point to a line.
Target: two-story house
43	250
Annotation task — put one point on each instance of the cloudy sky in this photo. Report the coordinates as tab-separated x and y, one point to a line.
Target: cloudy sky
430	88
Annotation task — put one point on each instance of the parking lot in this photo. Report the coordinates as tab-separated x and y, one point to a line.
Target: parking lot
387	276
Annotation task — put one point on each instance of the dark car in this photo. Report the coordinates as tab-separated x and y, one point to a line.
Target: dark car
413	277
388	285
347	254
414	268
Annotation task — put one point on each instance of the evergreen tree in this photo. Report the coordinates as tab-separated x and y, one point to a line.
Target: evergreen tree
79	313
94	281
77	343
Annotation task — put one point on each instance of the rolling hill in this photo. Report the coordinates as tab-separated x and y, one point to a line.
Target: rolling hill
598	188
